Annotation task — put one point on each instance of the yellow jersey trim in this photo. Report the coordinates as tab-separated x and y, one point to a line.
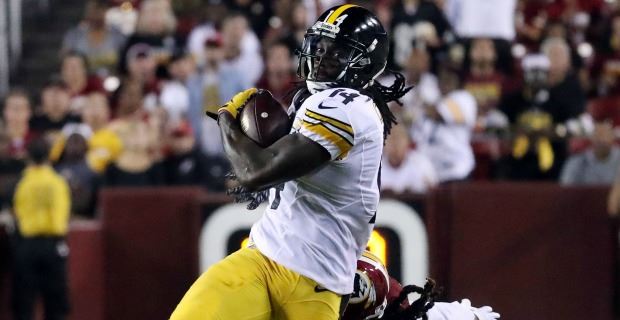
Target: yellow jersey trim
336	123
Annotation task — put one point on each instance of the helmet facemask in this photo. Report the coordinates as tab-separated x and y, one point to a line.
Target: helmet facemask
325	62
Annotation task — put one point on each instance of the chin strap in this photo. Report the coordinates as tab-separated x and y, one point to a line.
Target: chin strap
318	86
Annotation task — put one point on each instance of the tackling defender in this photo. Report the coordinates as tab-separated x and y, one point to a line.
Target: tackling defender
302	256
376	295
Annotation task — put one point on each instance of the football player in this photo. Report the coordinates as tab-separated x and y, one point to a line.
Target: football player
376	295
301	260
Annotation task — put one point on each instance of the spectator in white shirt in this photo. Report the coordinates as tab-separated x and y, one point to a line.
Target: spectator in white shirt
425	85
220	82
215	13
443	131
242	49
174	97
482	19
404	169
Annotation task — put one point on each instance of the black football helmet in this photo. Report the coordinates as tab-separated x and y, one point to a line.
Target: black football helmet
347	46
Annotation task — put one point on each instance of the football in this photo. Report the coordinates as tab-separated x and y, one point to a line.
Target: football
264	119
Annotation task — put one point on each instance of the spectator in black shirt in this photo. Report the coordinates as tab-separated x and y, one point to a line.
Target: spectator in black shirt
10	169
186	165
155	27
419	21
564	98
55	108
83	181
8	165
567	98
551	99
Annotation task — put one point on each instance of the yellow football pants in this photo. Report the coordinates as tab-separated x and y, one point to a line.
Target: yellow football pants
248	285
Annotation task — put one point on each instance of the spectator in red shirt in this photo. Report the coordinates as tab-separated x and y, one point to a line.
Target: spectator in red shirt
482	79
533	16
278	77
487	84
142	67
530	21
15	115
74	73
566	10
607	64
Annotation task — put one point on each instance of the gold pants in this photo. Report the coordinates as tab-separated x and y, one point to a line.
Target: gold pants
248	285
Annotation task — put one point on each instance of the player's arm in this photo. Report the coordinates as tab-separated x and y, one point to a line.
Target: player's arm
258	168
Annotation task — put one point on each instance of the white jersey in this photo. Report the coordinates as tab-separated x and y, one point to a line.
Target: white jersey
447	142
318	225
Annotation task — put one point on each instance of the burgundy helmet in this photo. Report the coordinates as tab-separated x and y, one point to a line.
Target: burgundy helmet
370	289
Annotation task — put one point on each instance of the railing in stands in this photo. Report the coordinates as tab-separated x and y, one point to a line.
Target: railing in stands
10	40
4	49
15	32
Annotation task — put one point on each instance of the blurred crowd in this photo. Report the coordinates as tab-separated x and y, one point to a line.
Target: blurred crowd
503	89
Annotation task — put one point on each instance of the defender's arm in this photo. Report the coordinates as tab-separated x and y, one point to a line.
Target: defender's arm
257	168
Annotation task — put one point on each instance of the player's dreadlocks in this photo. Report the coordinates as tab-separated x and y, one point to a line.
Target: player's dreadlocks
382	95
417	309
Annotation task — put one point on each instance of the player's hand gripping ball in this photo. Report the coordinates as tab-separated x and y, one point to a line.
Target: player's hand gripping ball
264	119
234	106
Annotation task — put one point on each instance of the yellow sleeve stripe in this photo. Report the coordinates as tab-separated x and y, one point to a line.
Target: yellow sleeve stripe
330	136
336	131
336	123
456	112
331	131
332	17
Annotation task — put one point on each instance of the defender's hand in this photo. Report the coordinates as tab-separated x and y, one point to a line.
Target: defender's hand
482	313
234	106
